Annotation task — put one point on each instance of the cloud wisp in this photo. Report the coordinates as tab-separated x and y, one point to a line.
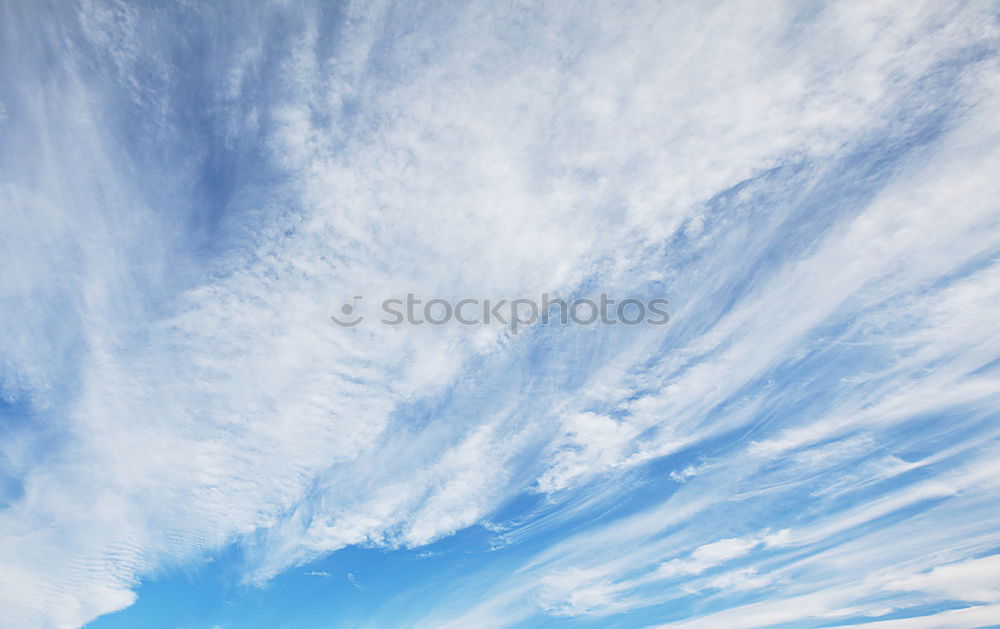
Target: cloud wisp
188	193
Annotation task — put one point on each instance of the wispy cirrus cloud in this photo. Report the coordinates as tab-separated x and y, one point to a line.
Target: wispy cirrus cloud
811	189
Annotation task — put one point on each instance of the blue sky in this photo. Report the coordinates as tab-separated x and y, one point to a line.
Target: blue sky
188	191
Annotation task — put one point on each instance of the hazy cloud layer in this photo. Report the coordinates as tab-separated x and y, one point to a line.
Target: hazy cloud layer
189	191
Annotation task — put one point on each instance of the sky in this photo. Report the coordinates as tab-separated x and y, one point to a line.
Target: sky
189	190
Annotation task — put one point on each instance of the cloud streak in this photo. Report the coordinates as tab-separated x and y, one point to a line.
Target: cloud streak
811	188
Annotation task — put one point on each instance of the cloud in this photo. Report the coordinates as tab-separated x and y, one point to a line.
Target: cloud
354	581
963	581
813	190
319	573
978	616
707	556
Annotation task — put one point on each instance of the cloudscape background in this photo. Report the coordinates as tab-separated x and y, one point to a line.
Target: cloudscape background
189	189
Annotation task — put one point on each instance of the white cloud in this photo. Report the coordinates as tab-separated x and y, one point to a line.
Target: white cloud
486	154
972	580
707	556
966	618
